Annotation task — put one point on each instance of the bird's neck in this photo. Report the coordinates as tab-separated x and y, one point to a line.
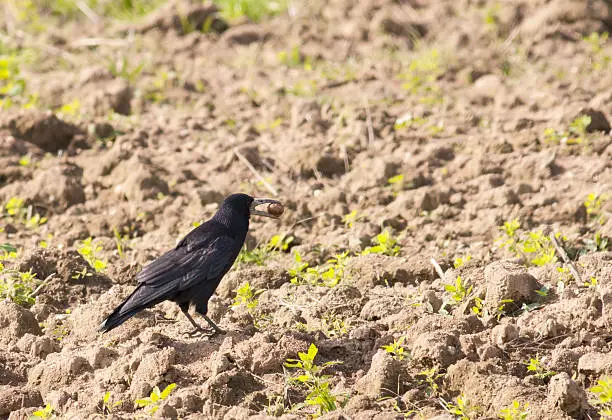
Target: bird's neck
236	224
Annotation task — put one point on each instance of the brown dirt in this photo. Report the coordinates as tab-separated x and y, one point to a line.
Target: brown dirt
151	155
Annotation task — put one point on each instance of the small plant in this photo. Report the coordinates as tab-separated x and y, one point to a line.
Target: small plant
461	261
458	291
255	10
385	245
122	68
329	274
43	413
534	247
154	400
430	378
294	58
333	326
18	286
90	252
16	211
261	254
575	134
591	283
598	243
310	376
396	183
481	311
514	411
602	391
109	405
593	204
421	76
537	368
596	42
462	408
121	241
397	349
351	218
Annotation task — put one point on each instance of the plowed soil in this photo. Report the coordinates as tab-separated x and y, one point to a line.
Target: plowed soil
431	123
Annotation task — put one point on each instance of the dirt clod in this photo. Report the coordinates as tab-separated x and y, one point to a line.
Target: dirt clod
506	280
566	394
16	321
383	376
43	129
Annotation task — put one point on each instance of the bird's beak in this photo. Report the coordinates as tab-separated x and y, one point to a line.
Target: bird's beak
259	202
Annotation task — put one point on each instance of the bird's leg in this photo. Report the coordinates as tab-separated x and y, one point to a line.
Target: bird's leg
213	325
202	309
197	329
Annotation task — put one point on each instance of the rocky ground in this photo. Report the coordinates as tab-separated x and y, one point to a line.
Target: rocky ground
473	133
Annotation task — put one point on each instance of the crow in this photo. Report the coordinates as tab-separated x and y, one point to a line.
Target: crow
190	273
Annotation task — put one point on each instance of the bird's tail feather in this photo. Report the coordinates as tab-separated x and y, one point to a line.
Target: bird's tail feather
117	318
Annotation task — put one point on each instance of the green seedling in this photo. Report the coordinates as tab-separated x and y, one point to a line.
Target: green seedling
25	160
421	76
430	378
593	205
255	10
396	183
154	400
108	405
15	211
351	218
43	413
261	254
122	68
122	241
514	411
596	42
479	309
408	121
602	392
18	286
598	243
397	349
461	261
458	291
328	274
536	367
90	252
333	326
317	385
461	408
591	283
575	134
246	296
294	58
385	245
534	247
71	109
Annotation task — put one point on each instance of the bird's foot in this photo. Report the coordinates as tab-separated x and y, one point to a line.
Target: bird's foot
203	332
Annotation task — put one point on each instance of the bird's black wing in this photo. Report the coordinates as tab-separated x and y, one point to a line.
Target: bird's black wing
190	263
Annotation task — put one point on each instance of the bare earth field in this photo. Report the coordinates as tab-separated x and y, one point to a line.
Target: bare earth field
473	133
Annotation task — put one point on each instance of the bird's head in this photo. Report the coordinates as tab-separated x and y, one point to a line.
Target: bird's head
246	205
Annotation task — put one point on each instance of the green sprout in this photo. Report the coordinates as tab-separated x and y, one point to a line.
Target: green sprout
328	274
458	291
154	400
603	396
385	245
16	211
44	413
534	247
351	218
90	252
108	405
514	411
596	43
461	261
18	286
317	385
575	134
593	204
430	378
462	408
261	254
537	368
255	10
397	349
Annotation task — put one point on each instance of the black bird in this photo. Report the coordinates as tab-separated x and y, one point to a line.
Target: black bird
191	272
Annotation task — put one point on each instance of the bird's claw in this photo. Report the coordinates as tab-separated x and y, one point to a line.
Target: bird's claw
202	332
